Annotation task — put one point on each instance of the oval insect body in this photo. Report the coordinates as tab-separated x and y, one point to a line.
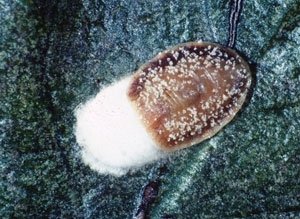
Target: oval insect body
188	93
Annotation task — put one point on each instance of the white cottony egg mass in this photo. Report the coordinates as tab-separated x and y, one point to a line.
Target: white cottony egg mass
112	138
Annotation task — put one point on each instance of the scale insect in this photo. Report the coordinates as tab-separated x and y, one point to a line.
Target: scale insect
181	97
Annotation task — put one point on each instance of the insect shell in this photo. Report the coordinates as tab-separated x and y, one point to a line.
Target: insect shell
188	93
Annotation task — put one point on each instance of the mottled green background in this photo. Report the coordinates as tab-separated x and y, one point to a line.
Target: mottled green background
55	54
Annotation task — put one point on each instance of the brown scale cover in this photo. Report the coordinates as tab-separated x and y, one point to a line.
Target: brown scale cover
189	92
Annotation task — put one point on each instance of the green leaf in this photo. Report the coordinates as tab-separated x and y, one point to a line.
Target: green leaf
53	54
